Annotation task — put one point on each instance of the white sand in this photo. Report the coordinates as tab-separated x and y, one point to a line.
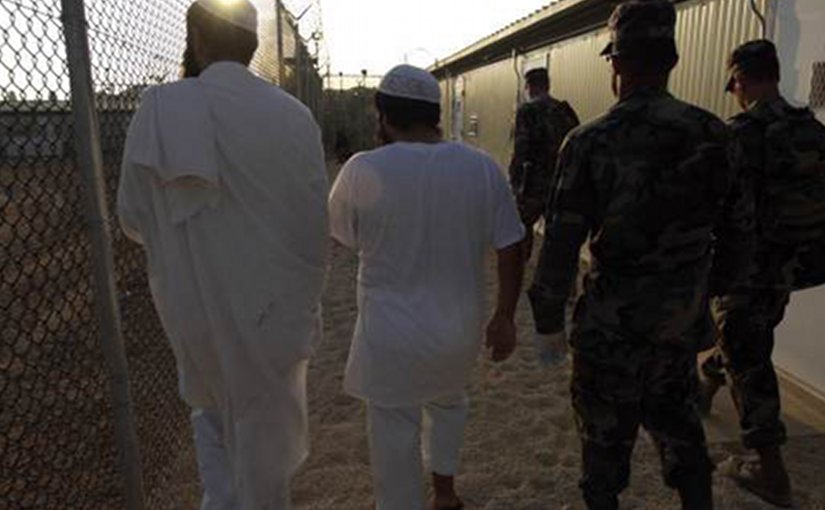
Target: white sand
521	451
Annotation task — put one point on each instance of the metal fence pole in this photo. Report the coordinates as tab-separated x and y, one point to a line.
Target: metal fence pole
279	20
90	160
299	66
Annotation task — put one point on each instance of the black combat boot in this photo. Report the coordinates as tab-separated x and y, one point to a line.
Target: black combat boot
601	501
765	477
696	494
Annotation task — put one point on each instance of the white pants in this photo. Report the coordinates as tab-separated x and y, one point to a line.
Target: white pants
397	436
217	477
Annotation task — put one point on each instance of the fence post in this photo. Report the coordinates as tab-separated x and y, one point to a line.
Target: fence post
300	93
279	19
90	161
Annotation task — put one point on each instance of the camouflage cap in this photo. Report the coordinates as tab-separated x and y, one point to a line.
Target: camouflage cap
757	59
639	27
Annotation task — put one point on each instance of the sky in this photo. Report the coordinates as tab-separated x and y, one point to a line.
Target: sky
373	35
377	34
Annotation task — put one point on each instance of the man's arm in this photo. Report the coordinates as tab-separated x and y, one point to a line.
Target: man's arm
571	214
507	234
501	332
735	232
549	129
129	208
132	196
564	121
520	146
548	140
343	220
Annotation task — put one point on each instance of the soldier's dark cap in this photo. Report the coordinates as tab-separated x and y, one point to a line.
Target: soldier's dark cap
642	27
538	76
757	59
536	71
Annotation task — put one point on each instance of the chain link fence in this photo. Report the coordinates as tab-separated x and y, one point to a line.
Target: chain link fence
350	121
58	443
300	75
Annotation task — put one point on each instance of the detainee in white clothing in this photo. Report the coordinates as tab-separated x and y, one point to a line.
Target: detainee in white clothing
400	436
423	215
224	184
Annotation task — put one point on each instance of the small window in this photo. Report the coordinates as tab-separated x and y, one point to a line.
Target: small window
818	86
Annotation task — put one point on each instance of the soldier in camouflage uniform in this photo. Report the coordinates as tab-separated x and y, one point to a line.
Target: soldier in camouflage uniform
782	148
669	224
541	125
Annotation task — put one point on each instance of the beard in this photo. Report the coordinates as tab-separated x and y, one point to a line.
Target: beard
382	135
190	67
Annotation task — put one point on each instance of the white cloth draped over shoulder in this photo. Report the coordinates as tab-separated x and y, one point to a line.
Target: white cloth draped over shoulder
225	185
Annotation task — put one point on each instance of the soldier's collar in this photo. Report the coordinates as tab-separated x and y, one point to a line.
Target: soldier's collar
776	105
644	93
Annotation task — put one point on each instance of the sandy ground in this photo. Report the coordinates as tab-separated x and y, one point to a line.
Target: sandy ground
521	450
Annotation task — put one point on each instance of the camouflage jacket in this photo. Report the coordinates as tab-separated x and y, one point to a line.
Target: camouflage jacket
669	221
782	150
541	126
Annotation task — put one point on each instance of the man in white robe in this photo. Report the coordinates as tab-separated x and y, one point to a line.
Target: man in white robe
423	215
224	183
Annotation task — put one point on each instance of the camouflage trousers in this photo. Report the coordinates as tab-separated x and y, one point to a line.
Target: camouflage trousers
746	323
633	386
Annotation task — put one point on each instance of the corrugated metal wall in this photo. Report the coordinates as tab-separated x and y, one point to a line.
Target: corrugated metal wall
489	108
579	75
707	31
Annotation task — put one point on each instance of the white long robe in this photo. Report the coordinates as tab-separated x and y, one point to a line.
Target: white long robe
224	183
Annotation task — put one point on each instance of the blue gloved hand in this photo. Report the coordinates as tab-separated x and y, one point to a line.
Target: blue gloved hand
552	349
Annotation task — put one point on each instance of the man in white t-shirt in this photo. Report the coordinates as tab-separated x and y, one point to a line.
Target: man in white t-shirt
423	215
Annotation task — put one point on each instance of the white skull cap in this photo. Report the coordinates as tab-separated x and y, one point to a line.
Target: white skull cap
240	13
410	82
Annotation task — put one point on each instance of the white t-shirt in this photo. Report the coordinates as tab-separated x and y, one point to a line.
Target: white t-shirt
423	218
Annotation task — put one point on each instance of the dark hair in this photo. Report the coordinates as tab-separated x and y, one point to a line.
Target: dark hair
539	78
757	60
224	40
763	70
651	60
403	113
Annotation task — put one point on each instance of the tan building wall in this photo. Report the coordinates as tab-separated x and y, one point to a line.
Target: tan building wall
707	32
800	343
489	99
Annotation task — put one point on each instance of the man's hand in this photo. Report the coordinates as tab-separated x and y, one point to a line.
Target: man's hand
530	211
552	349
501	337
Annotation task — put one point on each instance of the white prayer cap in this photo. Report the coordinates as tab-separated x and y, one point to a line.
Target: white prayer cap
411	82
240	13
